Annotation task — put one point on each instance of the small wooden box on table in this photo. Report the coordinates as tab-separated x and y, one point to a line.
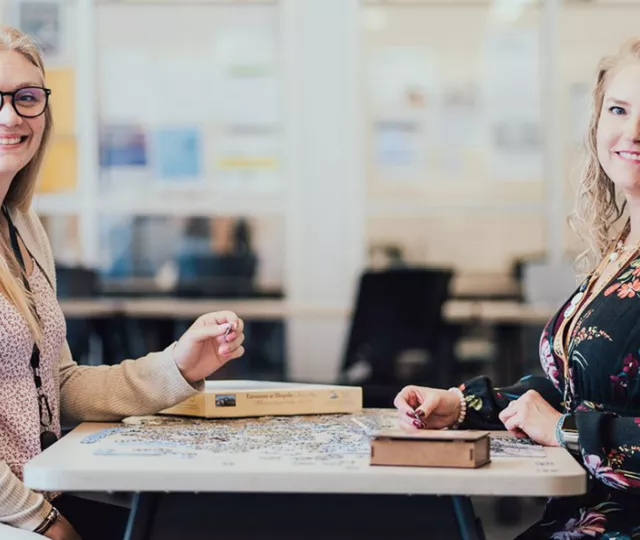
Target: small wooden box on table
431	448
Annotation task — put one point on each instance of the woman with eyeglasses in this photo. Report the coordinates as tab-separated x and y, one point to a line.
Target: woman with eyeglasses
39	381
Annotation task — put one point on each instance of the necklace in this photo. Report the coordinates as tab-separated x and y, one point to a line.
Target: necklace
620	249
585	295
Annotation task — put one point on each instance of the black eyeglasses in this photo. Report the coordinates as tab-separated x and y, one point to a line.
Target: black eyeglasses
28	102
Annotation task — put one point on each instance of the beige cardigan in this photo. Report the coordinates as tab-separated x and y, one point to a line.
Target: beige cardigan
97	393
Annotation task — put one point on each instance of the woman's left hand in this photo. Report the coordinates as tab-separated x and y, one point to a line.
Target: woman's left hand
532	415
204	348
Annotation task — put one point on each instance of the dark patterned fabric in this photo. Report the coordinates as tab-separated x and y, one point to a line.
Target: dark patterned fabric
604	352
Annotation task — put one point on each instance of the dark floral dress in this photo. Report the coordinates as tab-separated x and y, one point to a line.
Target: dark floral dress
605	394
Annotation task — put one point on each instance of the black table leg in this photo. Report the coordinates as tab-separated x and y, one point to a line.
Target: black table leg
143	511
313	516
469	524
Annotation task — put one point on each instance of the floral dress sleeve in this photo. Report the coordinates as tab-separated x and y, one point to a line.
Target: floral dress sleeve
484	402
610	445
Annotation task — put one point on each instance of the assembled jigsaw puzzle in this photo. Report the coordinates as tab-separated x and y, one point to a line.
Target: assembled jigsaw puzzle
335	440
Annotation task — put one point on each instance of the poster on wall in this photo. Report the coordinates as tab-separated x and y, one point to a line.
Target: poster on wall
123	157
123	145
177	155
181	85
247	159
404	93
402	77
133	101
59	170
512	102
62	83
459	134
43	20
246	146
400	149
245	87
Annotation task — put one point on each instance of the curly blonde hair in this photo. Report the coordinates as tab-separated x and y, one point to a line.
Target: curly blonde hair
599	206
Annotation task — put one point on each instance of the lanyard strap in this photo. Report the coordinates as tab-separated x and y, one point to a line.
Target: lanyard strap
46	416
584	298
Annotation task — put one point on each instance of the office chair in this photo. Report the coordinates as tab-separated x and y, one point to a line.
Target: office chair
398	314
77	282
222	276
83	283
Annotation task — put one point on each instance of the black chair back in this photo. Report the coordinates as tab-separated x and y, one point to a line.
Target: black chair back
397	310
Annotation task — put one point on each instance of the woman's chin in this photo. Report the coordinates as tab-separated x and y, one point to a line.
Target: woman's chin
11	164
628	184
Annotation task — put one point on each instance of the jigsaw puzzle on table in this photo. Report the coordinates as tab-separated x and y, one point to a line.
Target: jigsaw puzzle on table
332	440
320	439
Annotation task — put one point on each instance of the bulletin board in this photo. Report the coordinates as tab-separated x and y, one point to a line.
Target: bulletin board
206	115
453	127
452	117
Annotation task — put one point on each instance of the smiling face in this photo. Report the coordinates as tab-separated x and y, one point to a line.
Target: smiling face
20	137
618	134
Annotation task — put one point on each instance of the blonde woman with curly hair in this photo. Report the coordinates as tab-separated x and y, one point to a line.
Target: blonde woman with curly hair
39	381
589	401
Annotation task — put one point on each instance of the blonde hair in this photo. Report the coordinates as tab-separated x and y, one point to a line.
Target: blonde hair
22	188
599	206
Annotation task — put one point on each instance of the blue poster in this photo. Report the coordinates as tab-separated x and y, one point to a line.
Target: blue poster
122	145
177	153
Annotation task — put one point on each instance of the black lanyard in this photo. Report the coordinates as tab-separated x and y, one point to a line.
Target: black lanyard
47	437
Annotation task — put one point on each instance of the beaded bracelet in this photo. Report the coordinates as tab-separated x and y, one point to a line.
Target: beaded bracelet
463	407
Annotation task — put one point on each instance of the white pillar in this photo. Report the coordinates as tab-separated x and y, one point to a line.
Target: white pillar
87	130
325	247
553	144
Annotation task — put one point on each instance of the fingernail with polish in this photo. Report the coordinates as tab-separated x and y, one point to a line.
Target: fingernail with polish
418	424
419	413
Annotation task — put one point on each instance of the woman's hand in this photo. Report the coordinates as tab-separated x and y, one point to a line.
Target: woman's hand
62	530
206	346
532	416
436	408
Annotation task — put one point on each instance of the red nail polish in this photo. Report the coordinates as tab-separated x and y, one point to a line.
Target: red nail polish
418	424
420	413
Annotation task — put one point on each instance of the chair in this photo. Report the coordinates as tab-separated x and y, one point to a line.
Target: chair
398	335
76	282
221	276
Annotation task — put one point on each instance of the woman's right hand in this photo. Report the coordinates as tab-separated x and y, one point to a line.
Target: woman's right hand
62	530
436	408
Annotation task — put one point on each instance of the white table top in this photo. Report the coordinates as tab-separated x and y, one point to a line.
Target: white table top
323	454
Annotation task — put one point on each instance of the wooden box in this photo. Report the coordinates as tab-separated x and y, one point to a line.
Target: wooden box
431	448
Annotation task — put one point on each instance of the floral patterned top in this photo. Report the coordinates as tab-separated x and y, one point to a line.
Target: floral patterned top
604	386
